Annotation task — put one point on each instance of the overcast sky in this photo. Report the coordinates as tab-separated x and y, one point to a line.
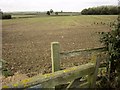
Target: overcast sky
56	5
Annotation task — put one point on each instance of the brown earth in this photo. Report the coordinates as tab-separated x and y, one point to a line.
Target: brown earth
26	42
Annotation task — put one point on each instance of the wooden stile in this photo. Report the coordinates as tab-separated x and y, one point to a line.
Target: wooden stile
54	79
73	74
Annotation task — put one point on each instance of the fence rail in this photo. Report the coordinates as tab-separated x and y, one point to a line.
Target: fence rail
56	78
69	76
78	52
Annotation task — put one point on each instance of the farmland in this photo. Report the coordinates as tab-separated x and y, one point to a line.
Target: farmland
26	41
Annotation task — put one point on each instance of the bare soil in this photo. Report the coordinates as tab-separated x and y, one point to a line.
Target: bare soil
26	42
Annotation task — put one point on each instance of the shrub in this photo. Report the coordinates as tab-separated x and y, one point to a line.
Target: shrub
48	13
112	42
56	13
6	16
1	14
5	71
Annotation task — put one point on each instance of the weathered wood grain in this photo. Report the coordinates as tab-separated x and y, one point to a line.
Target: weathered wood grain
56	78
55	56
93	82
80	51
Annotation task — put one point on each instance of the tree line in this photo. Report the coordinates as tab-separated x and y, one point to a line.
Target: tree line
5	16
101	10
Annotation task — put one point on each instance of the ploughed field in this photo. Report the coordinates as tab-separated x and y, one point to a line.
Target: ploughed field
26	41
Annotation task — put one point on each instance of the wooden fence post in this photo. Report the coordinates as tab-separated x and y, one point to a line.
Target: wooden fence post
92	78
55	56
